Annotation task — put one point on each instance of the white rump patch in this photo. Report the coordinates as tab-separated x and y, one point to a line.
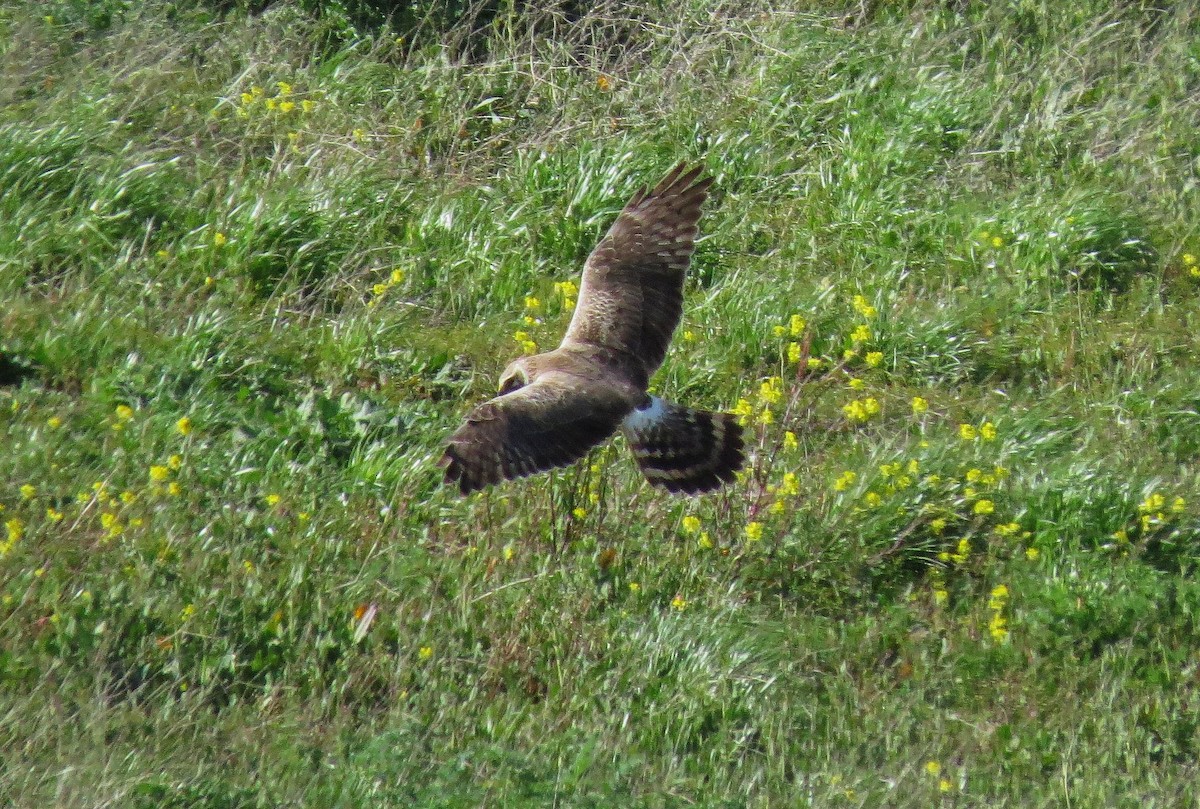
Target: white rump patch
644	418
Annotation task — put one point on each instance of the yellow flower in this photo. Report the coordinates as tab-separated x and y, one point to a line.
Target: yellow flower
358	135
53	515
872	499
1179	505
128	497
124	412
845	481
944	785
159	473
579	512
794	352
814	363
15	528
379	289
187	612
987	431
248	566
933	768
531	302
184	426
1008	529
307	105
919	405
247	99
272	499
1032	553
1153	502
796	325
771	390
779	331
634	587
28	491
509	552
691	524
861	334
789	440
175	461
983	507
874	358
766	416
742	410
174	489
704	541
998	627
425	652
54	422
997	241
603	83
285	89
861	409
754	531
566	289
1189	259
689	336
862	307
679	603
973	475
967	432
790	487
856	384
962	552
219	239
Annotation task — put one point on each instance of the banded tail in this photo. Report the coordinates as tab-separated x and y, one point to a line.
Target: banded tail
683	449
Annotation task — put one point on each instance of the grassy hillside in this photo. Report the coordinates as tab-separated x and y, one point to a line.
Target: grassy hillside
252	274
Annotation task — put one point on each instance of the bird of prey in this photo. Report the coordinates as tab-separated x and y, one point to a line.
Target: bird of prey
555	406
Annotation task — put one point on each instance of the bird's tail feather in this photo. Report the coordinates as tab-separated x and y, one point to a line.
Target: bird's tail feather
684	449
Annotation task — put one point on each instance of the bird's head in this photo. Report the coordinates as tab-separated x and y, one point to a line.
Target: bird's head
515	376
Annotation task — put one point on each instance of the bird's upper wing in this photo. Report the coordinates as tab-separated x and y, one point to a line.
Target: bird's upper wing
551	422
631	295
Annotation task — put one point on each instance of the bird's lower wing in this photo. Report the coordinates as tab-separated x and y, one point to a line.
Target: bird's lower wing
552	422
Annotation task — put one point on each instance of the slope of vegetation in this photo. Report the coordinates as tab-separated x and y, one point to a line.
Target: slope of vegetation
254	266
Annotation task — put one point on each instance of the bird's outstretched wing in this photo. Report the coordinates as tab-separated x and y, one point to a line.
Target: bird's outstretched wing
552	422
631	296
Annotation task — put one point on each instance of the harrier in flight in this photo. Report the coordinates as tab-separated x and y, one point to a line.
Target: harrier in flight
555	406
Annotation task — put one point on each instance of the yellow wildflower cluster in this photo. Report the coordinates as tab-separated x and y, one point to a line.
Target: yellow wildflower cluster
527	344
845	480
14	529
792	330
122	416
1153	512
863	307
934	770
567	293
1193	267
754	531
379	290
281	102
998	605
985	432
861	410
995	240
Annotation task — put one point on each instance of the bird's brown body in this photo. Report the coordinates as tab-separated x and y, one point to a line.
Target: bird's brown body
554	407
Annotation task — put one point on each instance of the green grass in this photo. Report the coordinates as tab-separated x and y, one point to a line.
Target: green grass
277	602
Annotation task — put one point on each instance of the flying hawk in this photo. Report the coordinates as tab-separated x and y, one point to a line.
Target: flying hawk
555	406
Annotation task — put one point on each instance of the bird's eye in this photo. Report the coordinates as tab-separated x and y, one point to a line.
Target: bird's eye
511	383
